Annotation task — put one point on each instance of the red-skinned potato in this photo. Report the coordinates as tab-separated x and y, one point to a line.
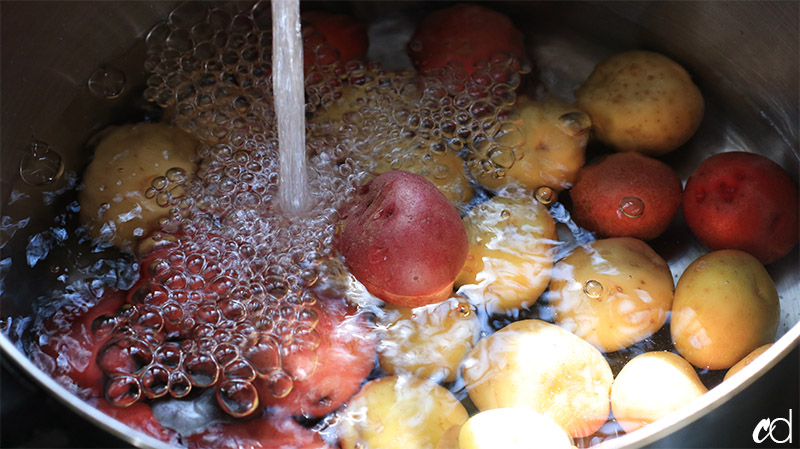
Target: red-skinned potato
342	32
344	357
83	345
743	201
465	34
277	432
626	195
139	416
403	240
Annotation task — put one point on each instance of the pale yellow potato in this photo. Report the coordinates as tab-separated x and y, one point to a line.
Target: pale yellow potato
535	364
512	245
428	342
641	101
746	361
449	439
726	306
651	386
127	161
512	428
612	292
399	412
550	150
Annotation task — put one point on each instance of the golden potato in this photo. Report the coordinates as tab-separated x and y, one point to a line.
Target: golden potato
535	364
726	306
552	150
136	172
512	428
612	292
511	252
428	342
449	439
641	101
651	386
399	412
746	361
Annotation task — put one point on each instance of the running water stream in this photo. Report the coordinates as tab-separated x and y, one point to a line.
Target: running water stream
287	63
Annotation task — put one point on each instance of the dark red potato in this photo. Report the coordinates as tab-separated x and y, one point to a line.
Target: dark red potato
267	432
82	343
342	32
403	240
626	195
463	33
345	356
743	201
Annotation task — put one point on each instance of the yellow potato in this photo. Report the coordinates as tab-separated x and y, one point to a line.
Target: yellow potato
449	438
641	101
399	412
511	252
535	364
651	386
552	149
726	306
512	428
128	160
428	342
746	361
612	292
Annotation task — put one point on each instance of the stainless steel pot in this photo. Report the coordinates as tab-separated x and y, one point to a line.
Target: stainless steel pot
743	55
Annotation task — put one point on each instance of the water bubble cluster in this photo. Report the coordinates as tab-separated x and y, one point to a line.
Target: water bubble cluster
229	293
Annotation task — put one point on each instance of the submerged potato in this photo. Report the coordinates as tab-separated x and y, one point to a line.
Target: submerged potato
651	386
555	135
428	342
128	160
641	101
612	292
512	428
746	361
726	305
511	251
399	412
535	364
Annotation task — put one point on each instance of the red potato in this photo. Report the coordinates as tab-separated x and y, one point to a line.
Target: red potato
270	432
345	356
82	345
463	33
139	416
340	31
626	195
743	201
403	240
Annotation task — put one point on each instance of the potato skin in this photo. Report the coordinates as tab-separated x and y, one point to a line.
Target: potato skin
725	306
636	296
652	385
126	161
512	241
535	364
403	240
626	195
399	412
743	201
641	101
746	361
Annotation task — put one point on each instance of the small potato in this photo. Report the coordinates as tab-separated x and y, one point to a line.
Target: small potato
399	412
511	252
746	361
626	195
535	364
641	101
428	342
726	306
651	386
612	293
552	149
128	160
512	428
